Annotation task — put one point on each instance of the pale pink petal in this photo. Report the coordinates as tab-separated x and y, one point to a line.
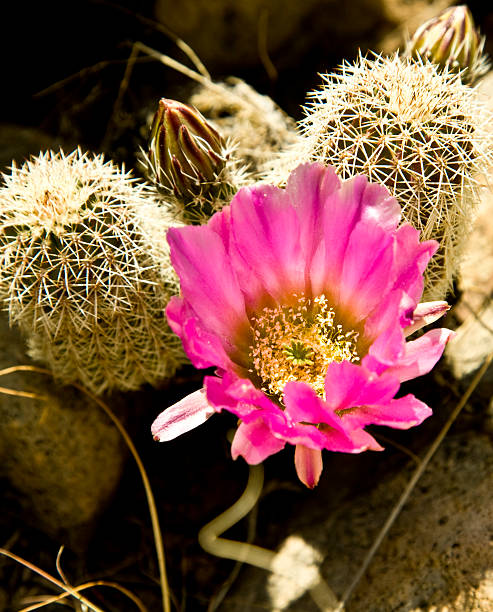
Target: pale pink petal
196	252
308	463
424	314
255	442
401	413
187	414
421	355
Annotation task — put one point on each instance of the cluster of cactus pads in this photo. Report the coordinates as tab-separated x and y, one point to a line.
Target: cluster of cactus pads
84	266
84	271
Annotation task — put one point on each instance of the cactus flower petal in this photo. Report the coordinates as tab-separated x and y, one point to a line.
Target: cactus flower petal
309	465
190	412
301	297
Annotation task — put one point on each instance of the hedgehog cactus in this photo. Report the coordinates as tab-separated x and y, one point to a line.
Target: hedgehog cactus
413	127
81	272
189	162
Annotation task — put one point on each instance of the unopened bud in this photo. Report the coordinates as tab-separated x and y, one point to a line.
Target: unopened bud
451	40
186	153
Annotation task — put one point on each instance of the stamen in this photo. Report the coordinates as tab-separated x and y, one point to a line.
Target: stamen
297	343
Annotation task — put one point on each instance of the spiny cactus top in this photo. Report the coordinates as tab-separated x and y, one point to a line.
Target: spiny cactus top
413	127
451	40
81	273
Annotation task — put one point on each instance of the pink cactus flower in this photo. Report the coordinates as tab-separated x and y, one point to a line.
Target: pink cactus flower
302	299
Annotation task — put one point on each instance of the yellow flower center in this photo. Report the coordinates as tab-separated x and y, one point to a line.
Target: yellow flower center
297	343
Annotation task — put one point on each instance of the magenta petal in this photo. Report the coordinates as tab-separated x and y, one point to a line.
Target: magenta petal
424	314
308	464
203	348
304	405
363	281
309	188
421	355
412	258
355	201
348	385
356	441
187	414
386	350
196	252
401	413
255	442
266	230
239	396
387	313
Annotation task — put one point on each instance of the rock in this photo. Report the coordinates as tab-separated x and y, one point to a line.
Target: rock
63	455
438	555
474	340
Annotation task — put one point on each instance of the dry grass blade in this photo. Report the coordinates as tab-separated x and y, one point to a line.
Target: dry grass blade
28	394
412	483
158	541
87	585
67	589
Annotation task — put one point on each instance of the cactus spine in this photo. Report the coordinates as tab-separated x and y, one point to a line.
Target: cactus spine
82	274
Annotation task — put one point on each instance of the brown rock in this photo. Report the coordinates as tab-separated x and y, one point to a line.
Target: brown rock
229	35
62	454
438	555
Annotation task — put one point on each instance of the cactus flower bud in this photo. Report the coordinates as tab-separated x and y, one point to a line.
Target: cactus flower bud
451	40
186	153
